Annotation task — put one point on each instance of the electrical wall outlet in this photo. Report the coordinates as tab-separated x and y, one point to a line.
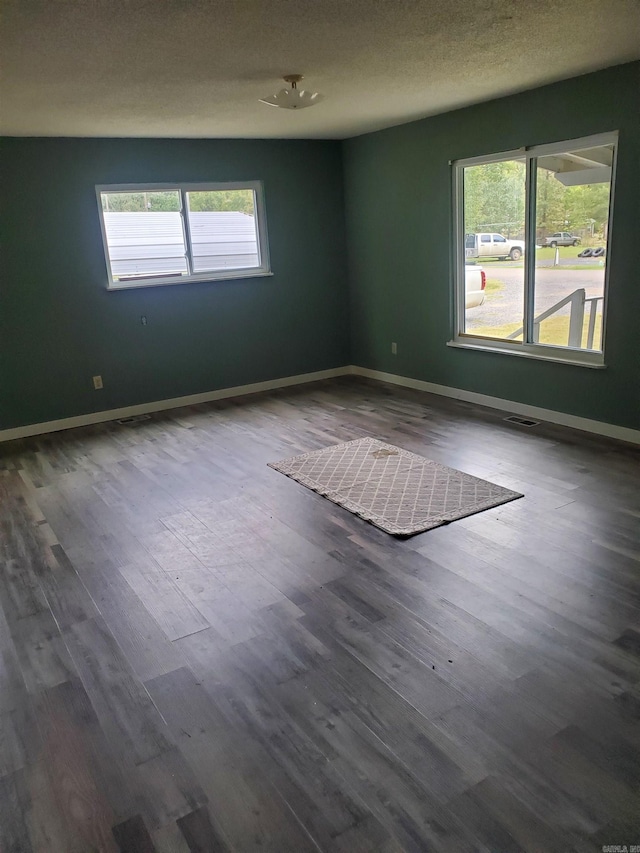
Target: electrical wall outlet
394	348
97	383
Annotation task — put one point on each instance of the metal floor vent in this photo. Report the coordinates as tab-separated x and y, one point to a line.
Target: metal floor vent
514	419
134	419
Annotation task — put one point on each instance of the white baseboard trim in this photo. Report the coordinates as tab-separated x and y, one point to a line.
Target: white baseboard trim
173	403
598	427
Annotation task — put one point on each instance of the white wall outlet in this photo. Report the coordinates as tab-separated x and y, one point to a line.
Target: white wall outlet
394	348
97	383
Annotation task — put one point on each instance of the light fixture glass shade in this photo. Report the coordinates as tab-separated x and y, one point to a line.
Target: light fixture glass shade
292	99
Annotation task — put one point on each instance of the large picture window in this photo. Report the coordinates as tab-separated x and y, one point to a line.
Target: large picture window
168	234
532	230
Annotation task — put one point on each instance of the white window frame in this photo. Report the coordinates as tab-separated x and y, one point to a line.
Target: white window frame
263	269
545	352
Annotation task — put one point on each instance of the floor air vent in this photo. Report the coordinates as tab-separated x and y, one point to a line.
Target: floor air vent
134	419
514	419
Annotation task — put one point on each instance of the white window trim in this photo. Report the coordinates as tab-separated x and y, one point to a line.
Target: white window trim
544	352
263	269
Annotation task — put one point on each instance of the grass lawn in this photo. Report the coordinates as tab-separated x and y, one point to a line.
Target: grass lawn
493	285
577	267
548	254
553	330
559	268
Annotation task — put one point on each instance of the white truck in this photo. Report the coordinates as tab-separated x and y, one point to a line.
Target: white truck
491	245
475	282
561	238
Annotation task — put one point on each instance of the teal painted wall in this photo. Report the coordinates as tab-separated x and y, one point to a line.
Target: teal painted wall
59	325
398	213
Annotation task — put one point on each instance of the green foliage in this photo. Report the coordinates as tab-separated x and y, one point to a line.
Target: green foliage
551	204
236	200
494	200
584	207
140	202
240	200
590	201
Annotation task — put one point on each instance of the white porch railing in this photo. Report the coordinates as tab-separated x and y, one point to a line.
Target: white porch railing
578	301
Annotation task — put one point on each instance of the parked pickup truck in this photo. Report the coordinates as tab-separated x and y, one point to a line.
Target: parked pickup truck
475	282
561	238
489	245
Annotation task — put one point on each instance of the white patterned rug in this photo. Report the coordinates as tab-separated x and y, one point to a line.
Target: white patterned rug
400	492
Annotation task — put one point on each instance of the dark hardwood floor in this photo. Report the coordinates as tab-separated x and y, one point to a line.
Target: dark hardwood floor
199	654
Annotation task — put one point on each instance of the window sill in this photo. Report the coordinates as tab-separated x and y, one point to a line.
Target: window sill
575	358
205	278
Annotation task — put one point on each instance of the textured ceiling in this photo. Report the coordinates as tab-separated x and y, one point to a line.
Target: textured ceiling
196	68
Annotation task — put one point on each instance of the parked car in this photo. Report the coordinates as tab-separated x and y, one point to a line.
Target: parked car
475	281
561	238
490	245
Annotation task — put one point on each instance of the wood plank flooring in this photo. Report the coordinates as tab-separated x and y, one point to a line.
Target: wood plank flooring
199	654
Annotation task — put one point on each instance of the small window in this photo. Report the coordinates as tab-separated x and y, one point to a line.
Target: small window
545	289
485	238
175	234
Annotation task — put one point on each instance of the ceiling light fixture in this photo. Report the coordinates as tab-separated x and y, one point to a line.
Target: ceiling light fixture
292	98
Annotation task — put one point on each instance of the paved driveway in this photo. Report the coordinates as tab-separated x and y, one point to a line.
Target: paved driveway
552	285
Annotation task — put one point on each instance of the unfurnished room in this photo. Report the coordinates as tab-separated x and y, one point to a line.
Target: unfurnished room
320	426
